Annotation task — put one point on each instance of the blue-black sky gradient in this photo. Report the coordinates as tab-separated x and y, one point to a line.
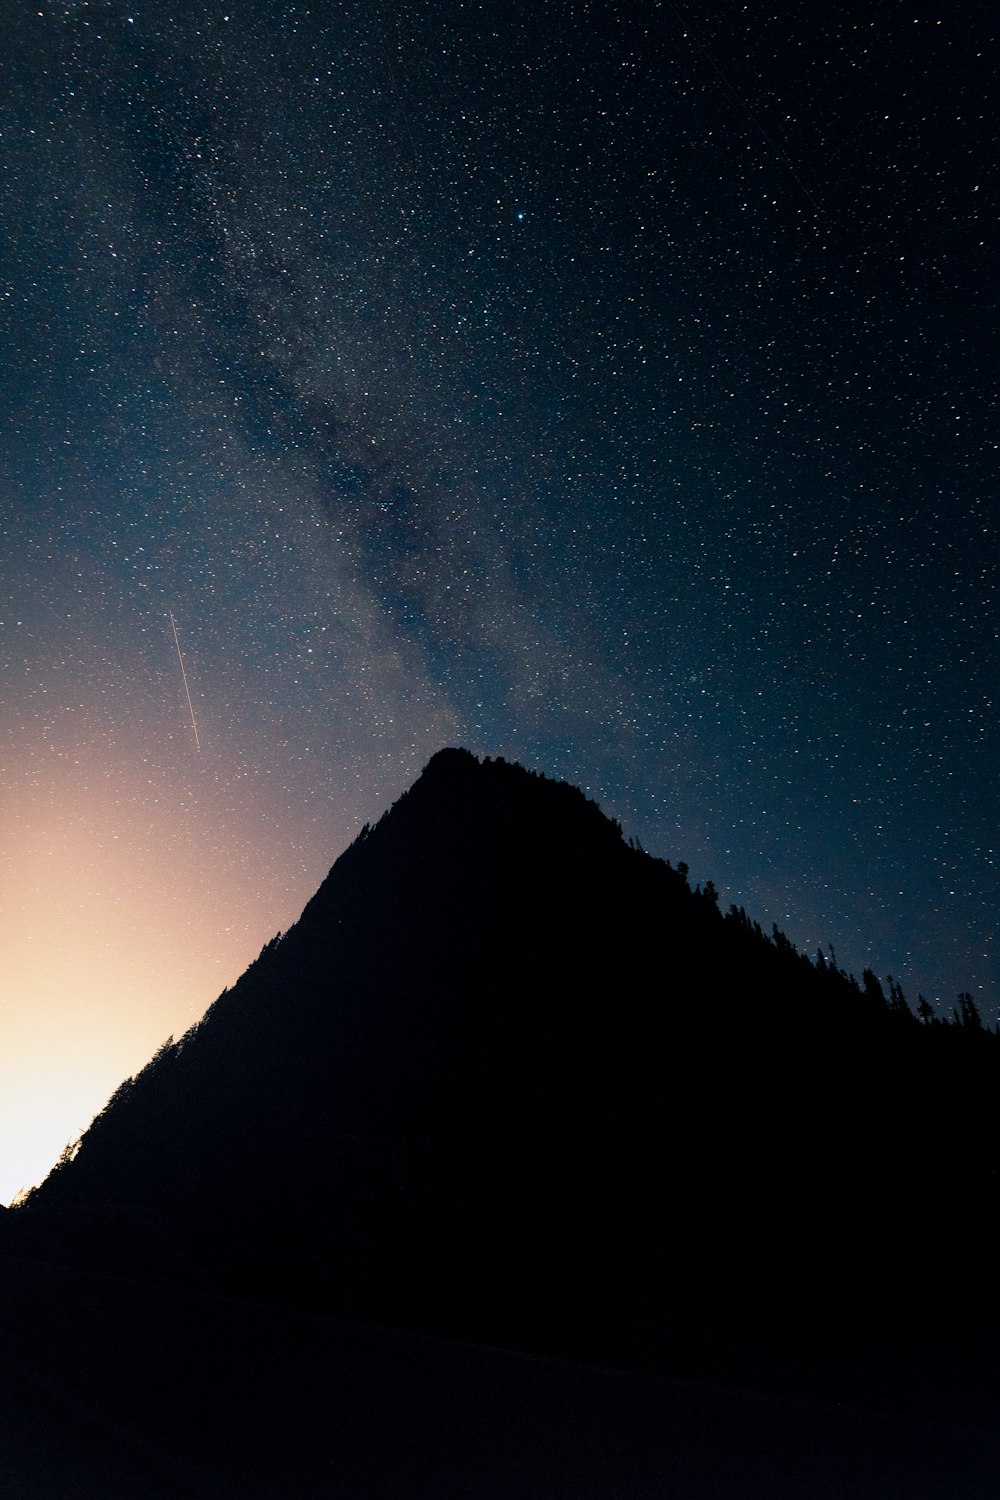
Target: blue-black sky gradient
609	387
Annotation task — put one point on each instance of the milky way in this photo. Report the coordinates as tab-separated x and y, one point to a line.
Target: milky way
610	389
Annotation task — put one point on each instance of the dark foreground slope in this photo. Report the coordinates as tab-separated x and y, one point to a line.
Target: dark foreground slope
510	1080
121	1390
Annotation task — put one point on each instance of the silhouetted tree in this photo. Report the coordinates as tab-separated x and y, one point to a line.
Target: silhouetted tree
781	942
967	1013
873	987
897	999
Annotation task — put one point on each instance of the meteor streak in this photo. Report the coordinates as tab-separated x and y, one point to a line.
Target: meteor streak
184	675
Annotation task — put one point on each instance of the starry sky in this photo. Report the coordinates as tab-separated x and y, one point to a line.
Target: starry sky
606	386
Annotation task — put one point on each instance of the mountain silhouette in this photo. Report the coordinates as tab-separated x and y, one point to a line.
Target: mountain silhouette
510	1080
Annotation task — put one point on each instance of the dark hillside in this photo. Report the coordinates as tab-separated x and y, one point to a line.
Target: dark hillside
510	1079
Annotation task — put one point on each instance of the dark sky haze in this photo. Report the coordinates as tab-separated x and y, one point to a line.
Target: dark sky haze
612	388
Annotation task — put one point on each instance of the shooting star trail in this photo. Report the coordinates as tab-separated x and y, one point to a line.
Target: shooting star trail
184	675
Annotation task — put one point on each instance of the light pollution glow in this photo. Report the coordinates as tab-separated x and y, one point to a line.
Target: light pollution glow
119	924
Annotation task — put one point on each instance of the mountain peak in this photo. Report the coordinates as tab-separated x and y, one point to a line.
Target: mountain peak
510	1077
450	760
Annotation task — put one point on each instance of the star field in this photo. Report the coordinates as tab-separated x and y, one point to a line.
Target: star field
609	388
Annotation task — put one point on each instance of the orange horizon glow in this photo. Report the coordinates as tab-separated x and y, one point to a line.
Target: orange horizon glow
121	919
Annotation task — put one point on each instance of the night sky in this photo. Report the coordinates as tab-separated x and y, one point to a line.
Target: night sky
611	388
